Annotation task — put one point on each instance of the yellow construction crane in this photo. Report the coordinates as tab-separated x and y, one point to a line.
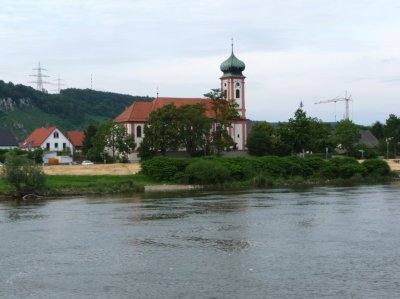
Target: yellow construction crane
346	99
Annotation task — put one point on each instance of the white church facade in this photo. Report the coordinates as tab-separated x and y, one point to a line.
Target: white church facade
232	81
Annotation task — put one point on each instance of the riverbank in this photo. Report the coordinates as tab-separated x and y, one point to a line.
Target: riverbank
124	178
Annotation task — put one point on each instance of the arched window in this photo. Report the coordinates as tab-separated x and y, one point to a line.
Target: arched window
237	93
139	131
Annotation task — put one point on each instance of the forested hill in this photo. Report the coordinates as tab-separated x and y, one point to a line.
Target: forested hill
23	108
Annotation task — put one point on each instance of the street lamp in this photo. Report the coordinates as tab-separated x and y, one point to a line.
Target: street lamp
362	153
387	147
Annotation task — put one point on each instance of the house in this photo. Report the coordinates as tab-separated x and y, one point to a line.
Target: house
232	82
76	138
49	139
368	139
7	139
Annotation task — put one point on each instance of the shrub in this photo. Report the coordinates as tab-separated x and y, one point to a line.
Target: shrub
376	167
163	169
23	174
207	172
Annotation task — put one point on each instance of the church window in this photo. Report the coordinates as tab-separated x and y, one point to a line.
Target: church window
237	93
139	131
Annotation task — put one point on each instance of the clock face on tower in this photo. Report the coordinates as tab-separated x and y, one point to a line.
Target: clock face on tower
237	84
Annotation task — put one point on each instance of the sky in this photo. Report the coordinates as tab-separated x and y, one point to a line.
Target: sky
294	50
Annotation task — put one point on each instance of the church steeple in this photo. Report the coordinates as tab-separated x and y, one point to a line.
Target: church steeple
232	84
232	66
232	81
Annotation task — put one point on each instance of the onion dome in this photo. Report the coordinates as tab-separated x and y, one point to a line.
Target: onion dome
232	67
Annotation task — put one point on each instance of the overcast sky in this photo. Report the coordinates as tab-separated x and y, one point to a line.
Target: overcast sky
294	50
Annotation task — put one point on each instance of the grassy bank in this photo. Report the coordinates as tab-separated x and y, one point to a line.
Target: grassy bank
86	184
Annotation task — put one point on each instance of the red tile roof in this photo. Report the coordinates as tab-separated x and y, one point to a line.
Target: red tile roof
76	137
38	137
140	111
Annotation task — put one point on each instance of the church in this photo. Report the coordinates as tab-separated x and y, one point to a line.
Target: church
232	83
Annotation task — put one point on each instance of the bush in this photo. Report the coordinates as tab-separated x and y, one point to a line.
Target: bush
376	167
163	169
23	174
207	172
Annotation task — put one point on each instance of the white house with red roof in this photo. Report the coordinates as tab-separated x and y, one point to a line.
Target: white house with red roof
49	139
232	82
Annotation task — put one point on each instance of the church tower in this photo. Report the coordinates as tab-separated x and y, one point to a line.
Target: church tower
232	82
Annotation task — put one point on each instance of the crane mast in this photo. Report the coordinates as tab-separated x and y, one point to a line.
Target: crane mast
346	99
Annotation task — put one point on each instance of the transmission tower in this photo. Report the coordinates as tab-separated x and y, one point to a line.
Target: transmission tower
59	84
39	78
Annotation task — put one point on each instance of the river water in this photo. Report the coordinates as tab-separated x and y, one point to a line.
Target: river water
316	243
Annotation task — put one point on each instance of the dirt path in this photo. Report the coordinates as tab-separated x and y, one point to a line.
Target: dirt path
97	169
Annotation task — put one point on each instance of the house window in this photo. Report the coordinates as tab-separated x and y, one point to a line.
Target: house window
64	146
237	93
55	134
56	145
139	131
48	146
238	136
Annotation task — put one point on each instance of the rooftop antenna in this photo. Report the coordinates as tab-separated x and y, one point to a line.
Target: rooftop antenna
39	78
91	81
157	92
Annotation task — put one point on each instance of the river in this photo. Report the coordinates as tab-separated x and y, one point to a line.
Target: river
318	243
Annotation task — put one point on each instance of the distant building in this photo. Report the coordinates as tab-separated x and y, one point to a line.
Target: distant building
49	139
7	139
232	82
76	138
368	139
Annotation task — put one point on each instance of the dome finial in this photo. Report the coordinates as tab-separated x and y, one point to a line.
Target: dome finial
232	44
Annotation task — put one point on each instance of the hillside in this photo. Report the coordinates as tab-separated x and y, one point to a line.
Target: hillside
23	108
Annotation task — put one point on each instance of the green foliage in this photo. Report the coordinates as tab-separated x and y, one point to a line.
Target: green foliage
163	169
346	135
23	174
376	167
303	133
72	109
171	128
194	128
260	140
108	136
225	111
162	130
207	172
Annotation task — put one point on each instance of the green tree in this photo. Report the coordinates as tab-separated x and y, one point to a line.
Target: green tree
194	128
22	173
225	111
162	130
391	132
377	130
260	140
113	137
346	135
303	133
87	142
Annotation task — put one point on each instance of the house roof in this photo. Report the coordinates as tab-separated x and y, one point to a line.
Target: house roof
368	139
7	138
140	111
37	137
76	137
